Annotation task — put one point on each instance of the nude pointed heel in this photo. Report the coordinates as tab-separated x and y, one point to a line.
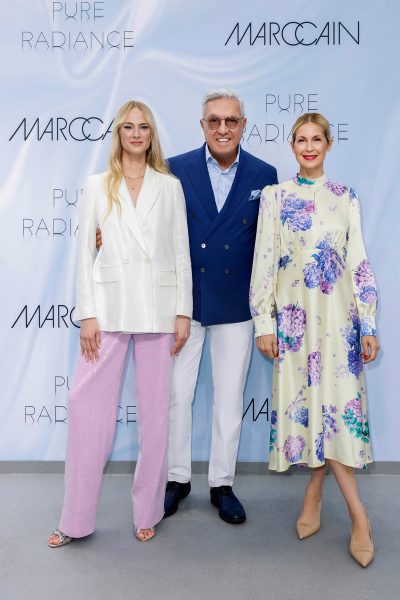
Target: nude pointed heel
307	529
363	556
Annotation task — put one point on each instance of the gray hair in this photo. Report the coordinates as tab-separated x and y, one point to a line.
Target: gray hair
223	93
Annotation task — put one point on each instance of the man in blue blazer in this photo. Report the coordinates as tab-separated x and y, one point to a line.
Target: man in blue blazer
222	185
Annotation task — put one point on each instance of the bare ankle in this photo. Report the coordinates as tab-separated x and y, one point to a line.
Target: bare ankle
313	492
358	515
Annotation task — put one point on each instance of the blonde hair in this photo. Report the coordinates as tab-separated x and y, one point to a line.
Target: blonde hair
154	156
316	118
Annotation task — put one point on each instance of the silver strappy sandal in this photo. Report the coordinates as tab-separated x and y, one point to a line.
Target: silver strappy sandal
138	531
63	539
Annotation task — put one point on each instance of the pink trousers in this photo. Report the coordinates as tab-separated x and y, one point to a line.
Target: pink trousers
92	414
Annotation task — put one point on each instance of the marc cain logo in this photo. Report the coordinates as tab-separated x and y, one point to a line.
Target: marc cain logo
254	413
293	33
55	317
56	129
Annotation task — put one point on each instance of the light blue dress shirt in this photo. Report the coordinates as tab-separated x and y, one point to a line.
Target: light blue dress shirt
221	181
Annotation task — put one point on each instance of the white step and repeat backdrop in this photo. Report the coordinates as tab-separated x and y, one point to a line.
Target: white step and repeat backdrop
67	66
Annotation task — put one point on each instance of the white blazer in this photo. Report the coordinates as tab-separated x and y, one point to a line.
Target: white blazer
141	278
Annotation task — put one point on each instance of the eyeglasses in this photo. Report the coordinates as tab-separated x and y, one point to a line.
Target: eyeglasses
214	123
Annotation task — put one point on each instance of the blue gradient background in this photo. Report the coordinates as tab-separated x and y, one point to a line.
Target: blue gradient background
179	53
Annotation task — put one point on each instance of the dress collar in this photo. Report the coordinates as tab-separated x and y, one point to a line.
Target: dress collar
309	182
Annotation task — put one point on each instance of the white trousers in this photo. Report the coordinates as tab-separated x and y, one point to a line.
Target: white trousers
230	347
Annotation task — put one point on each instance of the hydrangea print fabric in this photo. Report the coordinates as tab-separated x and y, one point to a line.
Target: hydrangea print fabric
296	213
272	431
324	271
335	188
291	324
293	448
325	301
353	343
314	368
355	420
297	411
365	282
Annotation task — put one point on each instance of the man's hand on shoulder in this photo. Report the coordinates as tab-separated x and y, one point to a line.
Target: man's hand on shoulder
99	241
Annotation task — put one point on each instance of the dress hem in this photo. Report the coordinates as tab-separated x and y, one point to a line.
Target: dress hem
307	465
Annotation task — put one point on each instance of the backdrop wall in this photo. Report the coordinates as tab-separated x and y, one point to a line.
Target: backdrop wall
67	66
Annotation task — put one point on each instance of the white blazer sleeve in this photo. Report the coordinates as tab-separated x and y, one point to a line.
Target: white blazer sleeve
184	298
85	302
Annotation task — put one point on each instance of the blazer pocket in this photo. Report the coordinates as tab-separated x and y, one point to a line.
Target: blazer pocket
106	274
167	278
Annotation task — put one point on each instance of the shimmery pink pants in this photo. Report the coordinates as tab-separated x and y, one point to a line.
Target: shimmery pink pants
92	414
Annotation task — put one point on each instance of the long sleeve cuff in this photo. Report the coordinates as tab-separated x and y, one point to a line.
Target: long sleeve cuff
264	325
184	308
368	325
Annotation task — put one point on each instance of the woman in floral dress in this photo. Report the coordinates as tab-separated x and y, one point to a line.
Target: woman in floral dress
313	300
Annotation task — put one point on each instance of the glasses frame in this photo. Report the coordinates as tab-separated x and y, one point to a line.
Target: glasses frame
225	119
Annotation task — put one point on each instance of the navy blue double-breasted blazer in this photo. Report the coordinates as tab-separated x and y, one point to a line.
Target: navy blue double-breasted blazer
221	243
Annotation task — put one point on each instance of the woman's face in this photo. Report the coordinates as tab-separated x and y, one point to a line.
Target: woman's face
135	134
310	148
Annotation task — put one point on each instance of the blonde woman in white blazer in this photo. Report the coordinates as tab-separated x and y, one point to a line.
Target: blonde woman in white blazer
139	286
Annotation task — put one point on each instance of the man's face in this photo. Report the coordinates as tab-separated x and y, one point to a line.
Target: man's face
223	141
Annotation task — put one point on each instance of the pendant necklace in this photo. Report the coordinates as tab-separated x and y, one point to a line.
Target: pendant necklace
132	187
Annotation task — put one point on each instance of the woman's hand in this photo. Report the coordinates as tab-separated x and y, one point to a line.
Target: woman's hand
182	331
370	348
268	345
90	339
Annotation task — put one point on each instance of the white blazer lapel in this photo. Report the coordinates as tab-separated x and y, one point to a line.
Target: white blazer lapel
148	194
129	214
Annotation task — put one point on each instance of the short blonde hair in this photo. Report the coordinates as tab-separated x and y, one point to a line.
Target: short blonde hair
316	118
154	155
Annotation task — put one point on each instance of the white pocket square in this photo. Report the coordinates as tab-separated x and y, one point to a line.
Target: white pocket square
255	194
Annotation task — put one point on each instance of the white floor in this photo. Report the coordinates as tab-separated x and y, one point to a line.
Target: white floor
195	555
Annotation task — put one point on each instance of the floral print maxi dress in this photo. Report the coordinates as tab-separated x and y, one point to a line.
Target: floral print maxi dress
326	300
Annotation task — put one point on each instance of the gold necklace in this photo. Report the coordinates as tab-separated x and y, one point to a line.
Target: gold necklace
132	187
